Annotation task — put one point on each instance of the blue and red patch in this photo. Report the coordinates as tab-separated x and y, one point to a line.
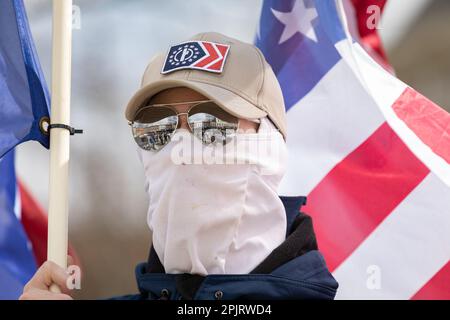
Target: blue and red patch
199	55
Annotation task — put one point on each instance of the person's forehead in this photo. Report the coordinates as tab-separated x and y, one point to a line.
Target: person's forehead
177	95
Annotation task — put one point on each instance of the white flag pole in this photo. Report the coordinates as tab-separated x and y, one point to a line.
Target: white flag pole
59	137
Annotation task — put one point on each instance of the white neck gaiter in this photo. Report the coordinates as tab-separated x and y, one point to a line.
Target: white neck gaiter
216	218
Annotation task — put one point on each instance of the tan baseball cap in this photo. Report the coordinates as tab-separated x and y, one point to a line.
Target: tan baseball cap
244	85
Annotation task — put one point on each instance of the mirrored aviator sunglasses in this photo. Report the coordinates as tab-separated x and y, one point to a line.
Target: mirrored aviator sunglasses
154	125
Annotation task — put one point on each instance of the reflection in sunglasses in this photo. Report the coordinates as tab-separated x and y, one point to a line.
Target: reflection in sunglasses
155	125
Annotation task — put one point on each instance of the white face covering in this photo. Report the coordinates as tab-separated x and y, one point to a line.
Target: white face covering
216	218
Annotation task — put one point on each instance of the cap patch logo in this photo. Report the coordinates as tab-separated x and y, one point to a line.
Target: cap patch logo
200	55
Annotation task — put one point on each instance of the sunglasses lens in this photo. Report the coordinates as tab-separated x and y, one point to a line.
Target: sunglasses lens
212	124
154	127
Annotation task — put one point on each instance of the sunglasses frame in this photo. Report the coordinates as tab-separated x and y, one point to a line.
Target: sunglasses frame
178	114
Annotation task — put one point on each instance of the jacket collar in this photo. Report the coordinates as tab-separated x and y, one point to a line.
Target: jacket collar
305	277
292	205
294	270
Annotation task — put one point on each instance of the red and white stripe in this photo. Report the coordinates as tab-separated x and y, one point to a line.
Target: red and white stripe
373	157
215	58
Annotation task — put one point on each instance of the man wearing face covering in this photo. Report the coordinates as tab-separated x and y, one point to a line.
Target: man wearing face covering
210	128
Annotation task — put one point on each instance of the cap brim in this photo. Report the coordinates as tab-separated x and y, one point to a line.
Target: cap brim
226	99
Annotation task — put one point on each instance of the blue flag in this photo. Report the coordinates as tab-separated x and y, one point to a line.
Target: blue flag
17	263
24	102
24	98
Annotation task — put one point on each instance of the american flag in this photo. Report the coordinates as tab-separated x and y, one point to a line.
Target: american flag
371	153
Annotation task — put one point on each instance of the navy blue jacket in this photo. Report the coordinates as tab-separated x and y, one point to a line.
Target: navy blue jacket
294	270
